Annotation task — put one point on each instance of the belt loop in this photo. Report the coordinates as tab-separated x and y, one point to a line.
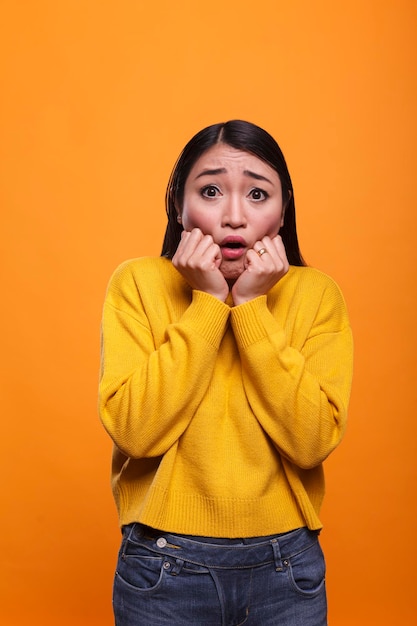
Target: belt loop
277	555
177	567
132	530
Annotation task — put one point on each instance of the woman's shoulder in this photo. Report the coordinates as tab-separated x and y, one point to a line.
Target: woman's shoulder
142	280
142	269
312	290
139	263
310	277
144	275
309	285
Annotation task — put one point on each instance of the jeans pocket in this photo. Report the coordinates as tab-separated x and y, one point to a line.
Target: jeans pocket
139	567
307	570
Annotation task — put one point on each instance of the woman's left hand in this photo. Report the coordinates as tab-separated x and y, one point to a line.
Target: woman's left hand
265	264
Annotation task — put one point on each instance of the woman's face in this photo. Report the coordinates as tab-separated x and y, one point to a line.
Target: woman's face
236	198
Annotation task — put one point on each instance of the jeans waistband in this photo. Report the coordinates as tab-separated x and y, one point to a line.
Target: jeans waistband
223	553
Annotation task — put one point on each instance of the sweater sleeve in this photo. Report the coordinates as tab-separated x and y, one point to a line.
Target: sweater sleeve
148	393
299	395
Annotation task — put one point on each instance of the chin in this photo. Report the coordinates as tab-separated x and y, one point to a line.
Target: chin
231	271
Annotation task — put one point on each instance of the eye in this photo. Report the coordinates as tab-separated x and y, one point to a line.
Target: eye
258	194
210	191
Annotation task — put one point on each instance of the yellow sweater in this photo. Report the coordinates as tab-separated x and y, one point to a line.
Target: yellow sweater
221	416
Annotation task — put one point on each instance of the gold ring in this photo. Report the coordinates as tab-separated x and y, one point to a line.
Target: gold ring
262	251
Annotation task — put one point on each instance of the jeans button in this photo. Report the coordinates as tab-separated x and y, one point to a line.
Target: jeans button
161	542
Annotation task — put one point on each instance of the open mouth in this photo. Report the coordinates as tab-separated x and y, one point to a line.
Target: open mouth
233	242
233	248
233	245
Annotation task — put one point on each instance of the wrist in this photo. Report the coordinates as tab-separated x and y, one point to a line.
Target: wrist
241	299
222	296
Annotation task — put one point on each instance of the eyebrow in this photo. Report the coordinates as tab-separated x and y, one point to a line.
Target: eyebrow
223	170
256	176
219	170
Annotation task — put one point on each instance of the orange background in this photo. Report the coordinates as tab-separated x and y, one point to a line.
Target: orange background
98	98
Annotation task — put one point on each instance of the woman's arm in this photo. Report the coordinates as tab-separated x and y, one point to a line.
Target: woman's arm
299	395
149	393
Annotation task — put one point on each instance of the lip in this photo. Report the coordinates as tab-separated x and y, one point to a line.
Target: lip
233	239
233	253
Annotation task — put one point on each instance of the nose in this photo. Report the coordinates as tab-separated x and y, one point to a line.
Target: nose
234	214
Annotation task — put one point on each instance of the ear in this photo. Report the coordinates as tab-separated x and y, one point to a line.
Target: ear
179	219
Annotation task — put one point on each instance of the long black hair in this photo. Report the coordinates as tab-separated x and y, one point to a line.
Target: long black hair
241	136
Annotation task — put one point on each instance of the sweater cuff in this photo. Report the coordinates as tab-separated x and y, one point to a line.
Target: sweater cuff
252	321
207	316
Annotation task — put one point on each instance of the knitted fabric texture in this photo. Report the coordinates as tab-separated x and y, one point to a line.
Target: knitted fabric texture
222	416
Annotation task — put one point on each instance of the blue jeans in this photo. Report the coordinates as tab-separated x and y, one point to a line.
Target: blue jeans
164	578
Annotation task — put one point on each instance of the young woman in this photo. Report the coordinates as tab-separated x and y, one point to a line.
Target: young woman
226	373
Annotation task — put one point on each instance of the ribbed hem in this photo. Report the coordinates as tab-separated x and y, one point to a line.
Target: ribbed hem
252	321
221	517
207	316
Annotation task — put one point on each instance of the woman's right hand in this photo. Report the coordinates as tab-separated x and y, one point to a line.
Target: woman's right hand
198	260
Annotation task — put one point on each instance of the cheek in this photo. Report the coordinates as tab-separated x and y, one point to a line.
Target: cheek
272	225
197	219
196	213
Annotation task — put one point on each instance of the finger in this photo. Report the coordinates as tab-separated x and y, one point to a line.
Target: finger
259	264
203	250
265	249
280	249
275	248
205	257
205	243
199	252
188	243
268	254
260	247
279	246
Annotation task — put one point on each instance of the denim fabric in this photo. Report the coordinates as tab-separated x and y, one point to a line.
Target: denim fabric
164	578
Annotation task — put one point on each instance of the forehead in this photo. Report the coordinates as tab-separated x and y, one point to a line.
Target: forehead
223	156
